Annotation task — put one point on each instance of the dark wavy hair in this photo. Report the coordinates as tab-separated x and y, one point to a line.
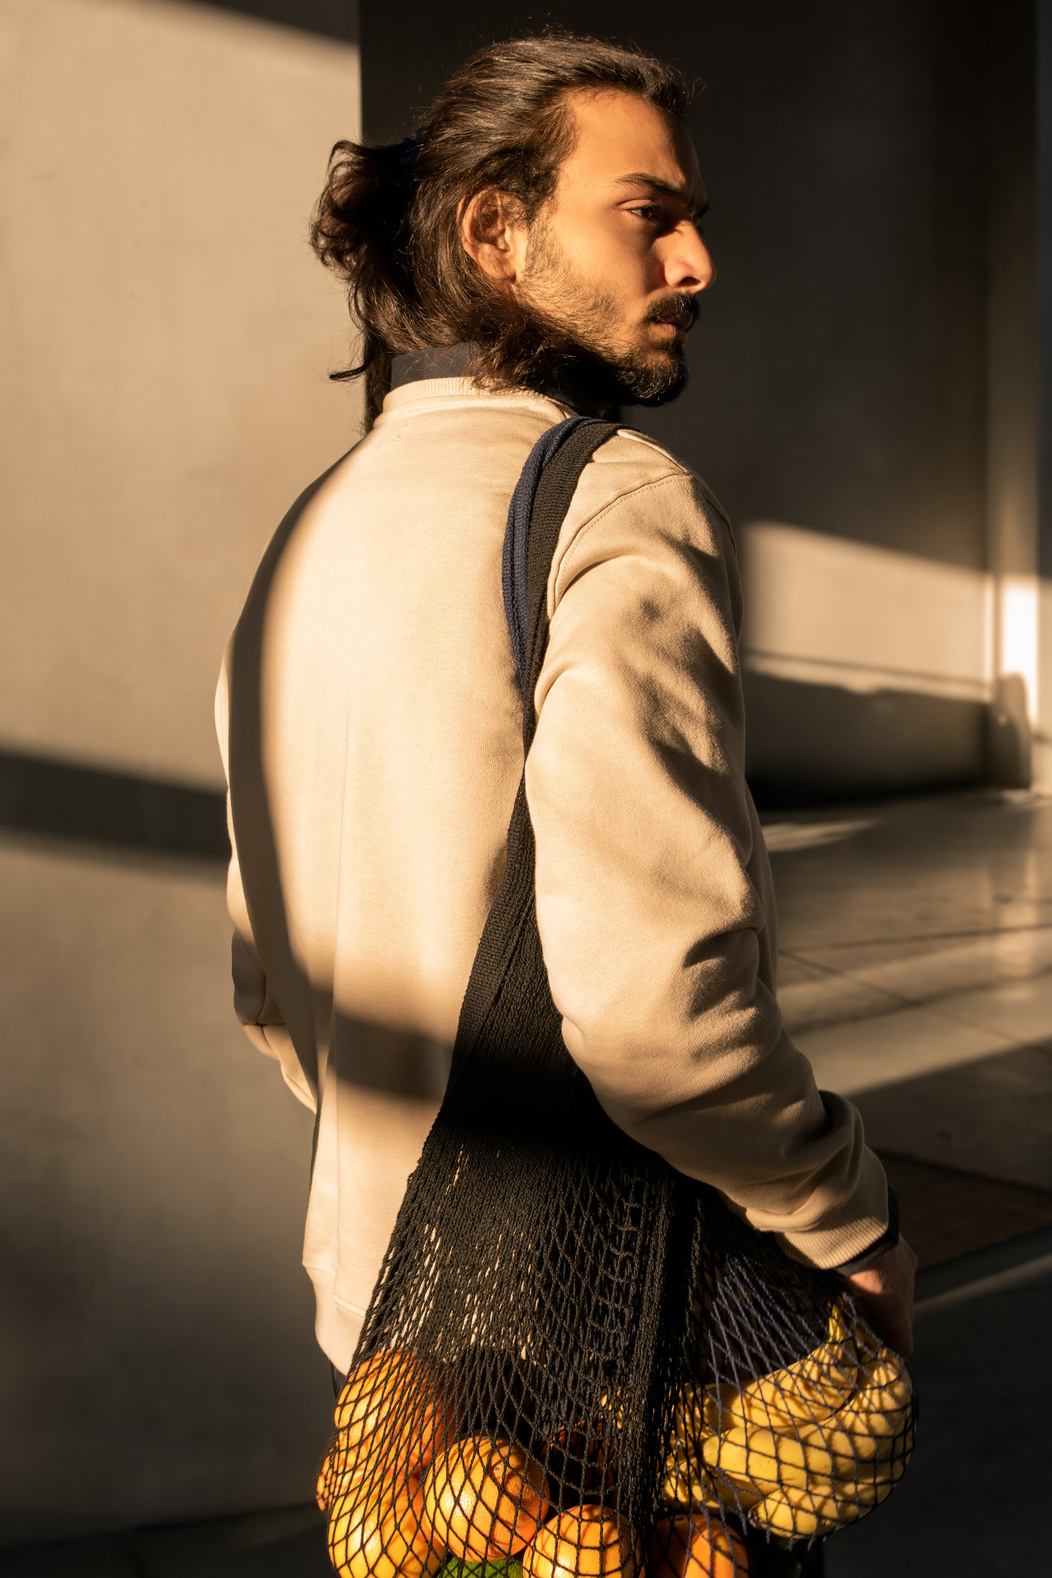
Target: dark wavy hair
387	221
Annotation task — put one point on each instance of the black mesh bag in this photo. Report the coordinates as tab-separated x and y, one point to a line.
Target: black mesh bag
578	1361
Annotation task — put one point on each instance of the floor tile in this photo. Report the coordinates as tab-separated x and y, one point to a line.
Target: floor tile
922	971
868	1053
1018	1009
811	996
992	1117
946	1212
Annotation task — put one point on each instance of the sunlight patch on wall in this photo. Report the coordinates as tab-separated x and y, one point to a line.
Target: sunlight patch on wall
167	338
822	610
1019	633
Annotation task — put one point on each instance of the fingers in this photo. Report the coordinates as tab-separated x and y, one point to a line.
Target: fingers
893	1319
885	1290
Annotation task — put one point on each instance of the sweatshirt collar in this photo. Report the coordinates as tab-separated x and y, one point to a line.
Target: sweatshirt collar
441	361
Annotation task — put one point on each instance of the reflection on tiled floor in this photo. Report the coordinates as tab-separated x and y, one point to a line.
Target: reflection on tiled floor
916	972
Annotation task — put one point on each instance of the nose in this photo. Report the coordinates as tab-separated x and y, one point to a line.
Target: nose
688	266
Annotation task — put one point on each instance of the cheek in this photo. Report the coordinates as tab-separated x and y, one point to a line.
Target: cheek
622	261
609	251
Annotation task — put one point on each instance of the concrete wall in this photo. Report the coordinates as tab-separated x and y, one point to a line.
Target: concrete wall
166	339
840	371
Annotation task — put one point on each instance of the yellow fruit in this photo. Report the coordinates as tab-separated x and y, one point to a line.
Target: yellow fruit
382	1536
800	1513
485	1498
369	1392
586	1542
815	1454
885	1396
688	1483
404	1389
326	1476
809	1390
685	1548
804	1449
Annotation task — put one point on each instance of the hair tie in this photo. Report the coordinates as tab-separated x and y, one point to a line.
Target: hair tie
407	157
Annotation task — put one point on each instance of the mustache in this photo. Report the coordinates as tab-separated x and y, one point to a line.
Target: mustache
677	307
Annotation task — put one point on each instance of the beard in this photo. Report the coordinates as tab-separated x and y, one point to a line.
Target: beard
562	339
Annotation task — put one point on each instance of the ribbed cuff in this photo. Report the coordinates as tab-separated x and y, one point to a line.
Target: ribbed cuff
887	1240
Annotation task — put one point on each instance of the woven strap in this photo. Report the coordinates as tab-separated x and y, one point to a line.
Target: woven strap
538	508
517	535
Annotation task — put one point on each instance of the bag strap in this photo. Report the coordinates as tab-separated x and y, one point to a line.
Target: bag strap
535	516
538	508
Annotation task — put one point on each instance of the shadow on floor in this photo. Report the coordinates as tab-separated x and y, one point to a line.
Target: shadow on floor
946	1212
286	1543
972	1501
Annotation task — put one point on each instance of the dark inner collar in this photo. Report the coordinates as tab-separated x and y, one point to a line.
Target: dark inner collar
442	361
454	361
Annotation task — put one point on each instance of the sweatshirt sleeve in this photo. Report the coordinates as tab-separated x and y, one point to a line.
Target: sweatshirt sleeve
654	900
254	1006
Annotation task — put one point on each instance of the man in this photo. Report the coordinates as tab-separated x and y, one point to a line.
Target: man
533	251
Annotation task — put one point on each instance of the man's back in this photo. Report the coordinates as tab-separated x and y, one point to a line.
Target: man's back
382	775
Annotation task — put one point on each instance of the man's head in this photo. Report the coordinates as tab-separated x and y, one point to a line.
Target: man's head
546	212
613	262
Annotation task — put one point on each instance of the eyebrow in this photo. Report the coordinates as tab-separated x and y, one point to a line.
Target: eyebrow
640	178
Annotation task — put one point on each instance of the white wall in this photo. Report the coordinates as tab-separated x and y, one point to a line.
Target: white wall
166	338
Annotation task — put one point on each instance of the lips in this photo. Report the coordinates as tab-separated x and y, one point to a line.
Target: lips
678	327
675	317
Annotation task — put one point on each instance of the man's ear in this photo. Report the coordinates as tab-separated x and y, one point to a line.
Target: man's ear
493	235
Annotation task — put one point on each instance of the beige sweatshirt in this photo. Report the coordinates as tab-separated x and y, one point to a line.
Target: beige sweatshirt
370	720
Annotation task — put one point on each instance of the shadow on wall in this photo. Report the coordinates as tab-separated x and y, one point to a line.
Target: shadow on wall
1008	736
329	18
811	743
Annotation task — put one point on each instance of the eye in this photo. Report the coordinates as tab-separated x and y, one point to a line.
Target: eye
651	212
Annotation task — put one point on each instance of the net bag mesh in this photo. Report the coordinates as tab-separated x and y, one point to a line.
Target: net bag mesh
576	1360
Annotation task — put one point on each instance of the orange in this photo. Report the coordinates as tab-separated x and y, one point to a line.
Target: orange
485	1498
393	1409
326	1479
680	1552
586	1542
382	1536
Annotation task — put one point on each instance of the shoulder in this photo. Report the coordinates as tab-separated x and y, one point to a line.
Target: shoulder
634	490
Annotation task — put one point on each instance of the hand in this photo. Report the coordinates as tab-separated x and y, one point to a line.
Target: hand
885	1291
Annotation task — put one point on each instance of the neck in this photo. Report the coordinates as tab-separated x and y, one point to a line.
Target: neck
562	382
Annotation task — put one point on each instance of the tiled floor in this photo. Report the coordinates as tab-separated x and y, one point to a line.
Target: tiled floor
917	975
